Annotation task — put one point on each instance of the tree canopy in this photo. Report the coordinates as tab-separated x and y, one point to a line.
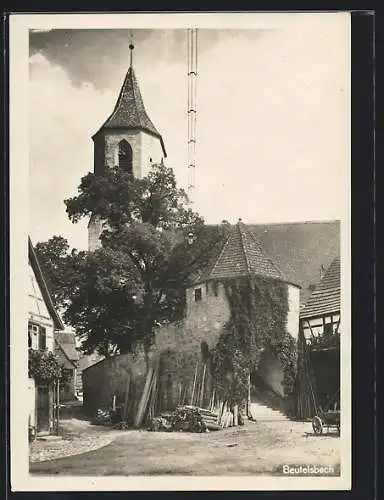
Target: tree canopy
152	244
62	268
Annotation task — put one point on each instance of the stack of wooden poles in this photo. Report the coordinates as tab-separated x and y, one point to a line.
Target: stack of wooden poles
307	400
228	417
147	404
216	414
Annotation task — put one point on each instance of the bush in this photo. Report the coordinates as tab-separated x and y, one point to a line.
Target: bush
187	420
107	416
43	366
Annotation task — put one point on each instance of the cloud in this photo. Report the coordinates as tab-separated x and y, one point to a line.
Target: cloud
272	121
62	120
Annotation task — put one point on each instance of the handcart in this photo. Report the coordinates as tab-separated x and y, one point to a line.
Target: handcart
326	418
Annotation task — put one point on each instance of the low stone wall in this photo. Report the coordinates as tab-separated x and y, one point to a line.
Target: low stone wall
108	378
180	359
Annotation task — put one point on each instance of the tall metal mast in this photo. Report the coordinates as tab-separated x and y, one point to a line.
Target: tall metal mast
192	93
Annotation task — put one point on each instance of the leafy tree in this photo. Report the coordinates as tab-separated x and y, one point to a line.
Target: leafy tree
152	244
103	309
61	267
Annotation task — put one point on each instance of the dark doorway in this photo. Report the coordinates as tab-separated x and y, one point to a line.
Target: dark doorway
42	407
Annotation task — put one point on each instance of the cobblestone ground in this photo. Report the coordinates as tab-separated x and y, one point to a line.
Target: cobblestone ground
76	437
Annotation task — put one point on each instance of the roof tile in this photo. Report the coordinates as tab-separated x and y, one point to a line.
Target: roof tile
325	299
241	255
130	111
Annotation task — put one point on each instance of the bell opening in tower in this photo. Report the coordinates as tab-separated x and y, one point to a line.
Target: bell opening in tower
125	156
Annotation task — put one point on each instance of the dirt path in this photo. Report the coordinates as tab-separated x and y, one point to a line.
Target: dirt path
256	448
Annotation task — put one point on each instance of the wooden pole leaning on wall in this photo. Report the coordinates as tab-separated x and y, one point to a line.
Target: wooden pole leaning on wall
58	404
144	399
153	394
194	385
201	398
249	395
127	386
236	415
213	400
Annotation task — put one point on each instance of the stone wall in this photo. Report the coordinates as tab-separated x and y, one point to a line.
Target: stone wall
151	152
180	348
108	378
146	149
293	311
206	317
95	228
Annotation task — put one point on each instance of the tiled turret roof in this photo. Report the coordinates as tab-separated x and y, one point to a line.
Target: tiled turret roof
325	299
129	112
241	255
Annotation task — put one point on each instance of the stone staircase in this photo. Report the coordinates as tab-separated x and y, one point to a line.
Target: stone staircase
260	412
266	405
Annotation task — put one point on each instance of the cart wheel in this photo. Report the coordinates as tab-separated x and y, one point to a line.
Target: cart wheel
317	425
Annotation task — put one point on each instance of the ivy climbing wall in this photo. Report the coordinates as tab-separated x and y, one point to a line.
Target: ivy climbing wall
248	324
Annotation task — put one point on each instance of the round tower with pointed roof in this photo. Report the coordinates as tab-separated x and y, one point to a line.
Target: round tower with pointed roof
241	255
128	139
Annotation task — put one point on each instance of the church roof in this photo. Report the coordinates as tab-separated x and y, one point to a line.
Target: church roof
129	111
241	255
325	299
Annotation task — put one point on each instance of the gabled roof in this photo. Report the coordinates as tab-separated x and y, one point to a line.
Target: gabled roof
300	249
129	112
325	299
67	342
59	325
63	356
88	360
241	255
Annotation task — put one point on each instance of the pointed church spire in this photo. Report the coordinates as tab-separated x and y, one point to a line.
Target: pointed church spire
130	112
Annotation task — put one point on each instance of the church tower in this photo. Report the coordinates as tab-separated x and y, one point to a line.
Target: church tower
127	139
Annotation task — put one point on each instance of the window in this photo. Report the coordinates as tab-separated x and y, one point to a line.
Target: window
125	156
33	331
198	294
42	338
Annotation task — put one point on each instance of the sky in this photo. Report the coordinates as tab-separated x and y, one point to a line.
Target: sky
272	118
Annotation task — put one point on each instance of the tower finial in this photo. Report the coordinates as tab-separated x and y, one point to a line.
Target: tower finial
131	47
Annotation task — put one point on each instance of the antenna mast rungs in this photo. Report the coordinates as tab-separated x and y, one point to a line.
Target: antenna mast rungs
191	108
